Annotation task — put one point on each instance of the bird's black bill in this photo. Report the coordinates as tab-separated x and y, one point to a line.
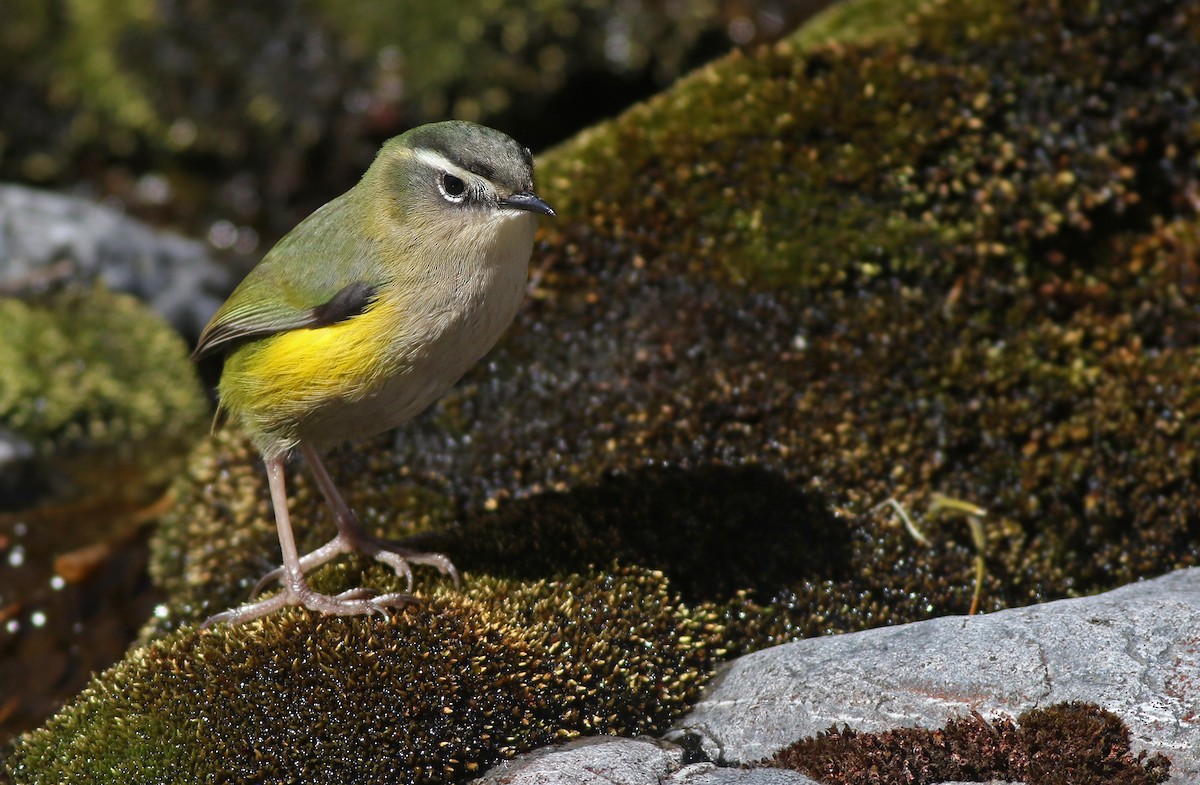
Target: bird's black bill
529	202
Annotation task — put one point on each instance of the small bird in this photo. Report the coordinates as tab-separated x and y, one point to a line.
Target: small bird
363	315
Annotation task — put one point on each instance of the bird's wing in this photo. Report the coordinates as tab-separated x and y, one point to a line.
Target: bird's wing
240	321
316	276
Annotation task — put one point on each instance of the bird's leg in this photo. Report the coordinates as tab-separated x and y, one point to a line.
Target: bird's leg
296	590
393	553
352	538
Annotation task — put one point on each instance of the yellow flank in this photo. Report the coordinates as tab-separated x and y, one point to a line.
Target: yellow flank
285	376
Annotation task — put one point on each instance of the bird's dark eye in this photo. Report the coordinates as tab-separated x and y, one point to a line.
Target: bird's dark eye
453	186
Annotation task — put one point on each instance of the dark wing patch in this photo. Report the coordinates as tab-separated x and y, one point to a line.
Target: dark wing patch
238	326
352	300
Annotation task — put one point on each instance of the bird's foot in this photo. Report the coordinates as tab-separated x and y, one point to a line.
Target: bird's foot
354	602
394	554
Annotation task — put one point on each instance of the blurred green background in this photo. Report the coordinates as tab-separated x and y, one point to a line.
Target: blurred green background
231	121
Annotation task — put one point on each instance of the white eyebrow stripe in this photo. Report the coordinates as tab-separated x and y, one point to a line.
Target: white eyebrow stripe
436	160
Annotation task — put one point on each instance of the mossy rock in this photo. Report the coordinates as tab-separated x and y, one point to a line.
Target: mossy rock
99	407
954	257
962	145
98	386
430	695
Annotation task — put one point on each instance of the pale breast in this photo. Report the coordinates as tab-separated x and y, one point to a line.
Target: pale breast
443	325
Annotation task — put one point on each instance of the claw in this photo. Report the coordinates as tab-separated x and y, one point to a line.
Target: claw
350	538
393	554
265	581
399	565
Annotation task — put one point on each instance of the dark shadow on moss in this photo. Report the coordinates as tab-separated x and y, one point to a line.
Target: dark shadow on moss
713	530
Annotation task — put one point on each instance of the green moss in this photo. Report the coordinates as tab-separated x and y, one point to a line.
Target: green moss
426	696
94	377
854	22
93	48
647	410
678	520
477	58
967	144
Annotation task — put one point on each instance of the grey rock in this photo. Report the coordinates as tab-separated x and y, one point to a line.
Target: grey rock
709	774
592	761
616	761
1134	651
14	450
45	237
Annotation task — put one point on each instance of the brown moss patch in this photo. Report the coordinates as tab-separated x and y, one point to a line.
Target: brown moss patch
1064	744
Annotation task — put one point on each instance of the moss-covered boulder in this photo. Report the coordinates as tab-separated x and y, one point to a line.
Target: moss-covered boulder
92	381
485	674
953	255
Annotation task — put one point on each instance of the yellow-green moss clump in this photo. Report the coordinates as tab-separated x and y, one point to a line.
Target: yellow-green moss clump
430	696
93	381
963	143
961	260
